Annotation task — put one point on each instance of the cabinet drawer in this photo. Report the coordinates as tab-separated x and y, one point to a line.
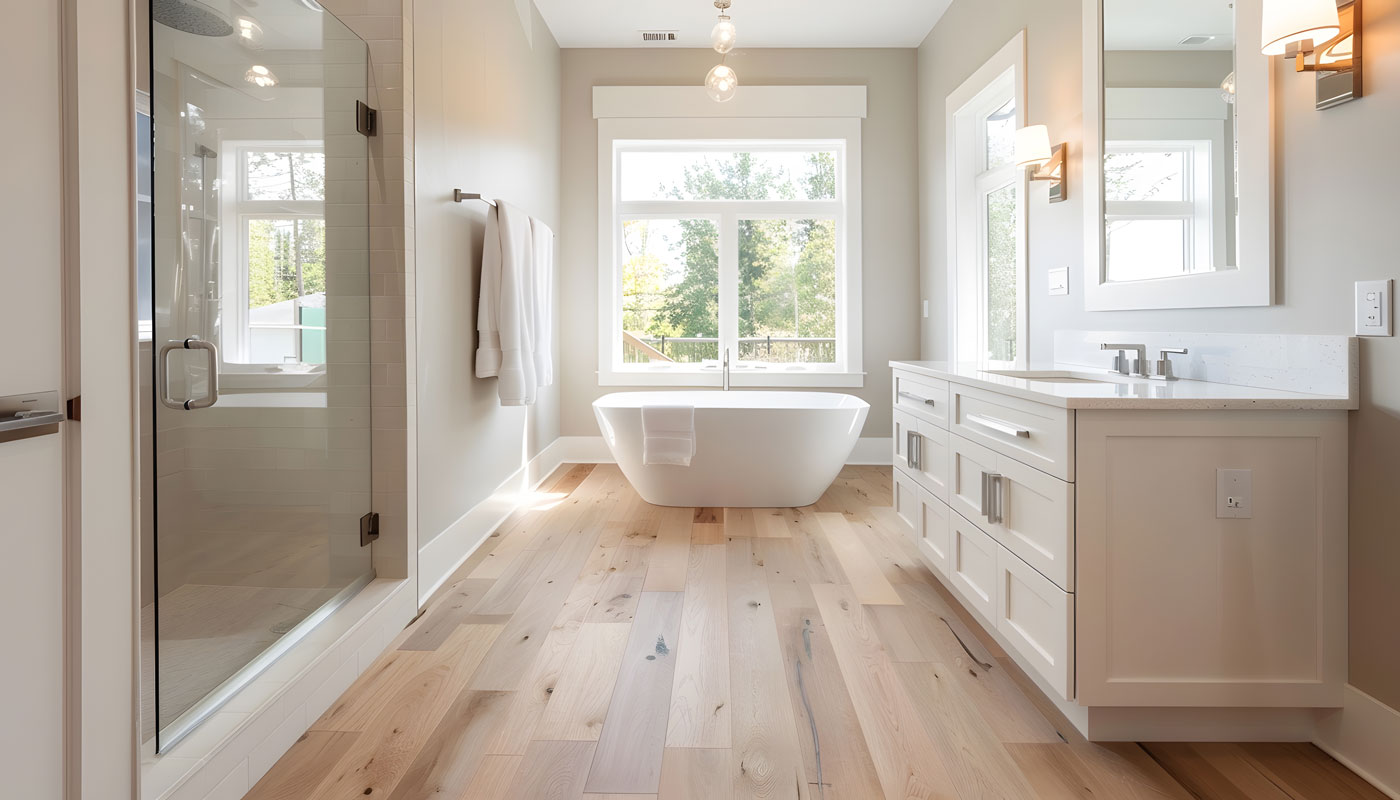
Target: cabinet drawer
972	565
921	450
931	534
1032	433
907	499
1026	511
1037	620
926	398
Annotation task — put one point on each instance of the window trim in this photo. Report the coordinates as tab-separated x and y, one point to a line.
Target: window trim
965	223
705	125
234	213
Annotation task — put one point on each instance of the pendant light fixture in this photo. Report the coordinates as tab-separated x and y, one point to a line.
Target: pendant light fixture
722	81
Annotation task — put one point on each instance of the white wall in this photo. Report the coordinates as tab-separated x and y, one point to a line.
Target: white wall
487	120
31	360
1336	186
889	195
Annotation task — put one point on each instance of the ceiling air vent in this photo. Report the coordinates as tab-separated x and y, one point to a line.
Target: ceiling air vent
658	37
1195	41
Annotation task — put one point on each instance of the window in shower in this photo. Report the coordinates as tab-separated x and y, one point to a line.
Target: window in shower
275	258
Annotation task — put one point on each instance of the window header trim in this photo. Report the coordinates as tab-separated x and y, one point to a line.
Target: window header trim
765	102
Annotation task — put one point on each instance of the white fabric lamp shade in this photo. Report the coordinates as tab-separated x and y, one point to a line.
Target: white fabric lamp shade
1290	21
1032	146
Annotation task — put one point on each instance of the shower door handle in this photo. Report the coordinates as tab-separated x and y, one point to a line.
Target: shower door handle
163	379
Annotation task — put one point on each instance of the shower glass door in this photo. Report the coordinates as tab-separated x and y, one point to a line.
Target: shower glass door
260	400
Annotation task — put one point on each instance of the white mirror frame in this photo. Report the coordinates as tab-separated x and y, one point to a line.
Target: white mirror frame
1252	282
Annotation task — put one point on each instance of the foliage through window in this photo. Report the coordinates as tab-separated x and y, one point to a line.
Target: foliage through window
730	247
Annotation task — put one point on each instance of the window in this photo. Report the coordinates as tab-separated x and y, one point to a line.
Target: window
740	243
986	214
274	229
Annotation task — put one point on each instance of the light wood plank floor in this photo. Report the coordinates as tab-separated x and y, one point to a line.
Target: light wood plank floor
599	647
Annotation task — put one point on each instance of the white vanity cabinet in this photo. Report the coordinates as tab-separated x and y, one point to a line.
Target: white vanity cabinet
1082	530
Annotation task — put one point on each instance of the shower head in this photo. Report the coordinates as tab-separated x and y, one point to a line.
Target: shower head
200	17
200	151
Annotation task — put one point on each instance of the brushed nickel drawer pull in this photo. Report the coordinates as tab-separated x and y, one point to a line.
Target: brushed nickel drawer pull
997	425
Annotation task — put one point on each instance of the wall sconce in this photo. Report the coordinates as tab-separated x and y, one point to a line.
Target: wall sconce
1328	31
1033	151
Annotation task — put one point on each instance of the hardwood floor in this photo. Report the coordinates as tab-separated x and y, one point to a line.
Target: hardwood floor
599	647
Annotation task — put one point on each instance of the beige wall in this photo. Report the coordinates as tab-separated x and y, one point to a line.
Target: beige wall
1336	185
889	197
486	120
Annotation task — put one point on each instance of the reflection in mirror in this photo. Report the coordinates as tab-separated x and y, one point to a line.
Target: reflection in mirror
1170	146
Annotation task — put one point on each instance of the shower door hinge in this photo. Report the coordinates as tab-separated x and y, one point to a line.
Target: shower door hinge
366	118
369	528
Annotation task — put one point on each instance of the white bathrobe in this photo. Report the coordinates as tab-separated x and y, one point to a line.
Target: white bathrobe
506	306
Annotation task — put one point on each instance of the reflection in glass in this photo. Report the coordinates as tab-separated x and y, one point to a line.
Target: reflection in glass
1001	136
1170	193
257	498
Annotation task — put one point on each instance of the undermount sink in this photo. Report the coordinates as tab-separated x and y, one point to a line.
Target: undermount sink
1046	376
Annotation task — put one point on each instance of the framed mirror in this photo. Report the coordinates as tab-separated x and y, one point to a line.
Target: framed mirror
1178	155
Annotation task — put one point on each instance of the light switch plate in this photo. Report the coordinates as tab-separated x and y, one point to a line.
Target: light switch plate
1234	494
1059	281
1374	305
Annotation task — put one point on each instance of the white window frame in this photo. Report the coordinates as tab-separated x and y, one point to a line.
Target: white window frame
234	212
759	118
1002	78
1201	252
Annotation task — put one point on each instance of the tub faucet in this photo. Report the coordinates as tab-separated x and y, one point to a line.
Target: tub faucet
725	384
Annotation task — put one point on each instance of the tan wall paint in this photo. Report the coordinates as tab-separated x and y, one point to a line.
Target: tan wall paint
1336	186
889	197
486	120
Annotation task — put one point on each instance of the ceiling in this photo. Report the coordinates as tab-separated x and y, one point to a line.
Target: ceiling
761	23
1157	25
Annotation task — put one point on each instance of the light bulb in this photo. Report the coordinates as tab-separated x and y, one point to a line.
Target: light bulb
1227	89
260	76
721	83
724	35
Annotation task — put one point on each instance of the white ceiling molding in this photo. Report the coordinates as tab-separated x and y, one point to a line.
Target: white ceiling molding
761	23
770	102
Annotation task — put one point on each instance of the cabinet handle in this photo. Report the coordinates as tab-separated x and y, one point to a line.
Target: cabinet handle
997	425
998	485
909	448
911	396
918	451
985	508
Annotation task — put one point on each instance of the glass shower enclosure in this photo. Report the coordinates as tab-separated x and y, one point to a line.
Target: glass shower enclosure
258	399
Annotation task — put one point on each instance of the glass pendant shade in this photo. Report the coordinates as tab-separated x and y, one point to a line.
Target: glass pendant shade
1289	21
724	35
721	83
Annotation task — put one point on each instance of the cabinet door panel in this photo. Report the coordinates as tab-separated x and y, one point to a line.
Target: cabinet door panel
1036	520
907	499
972	566
967	463
1037	619
932	533
931	468
1036	434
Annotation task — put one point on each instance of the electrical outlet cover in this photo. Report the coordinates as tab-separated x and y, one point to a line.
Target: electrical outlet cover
1234	494
1374	304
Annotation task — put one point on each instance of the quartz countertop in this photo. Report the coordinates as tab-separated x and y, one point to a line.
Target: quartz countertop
1080	388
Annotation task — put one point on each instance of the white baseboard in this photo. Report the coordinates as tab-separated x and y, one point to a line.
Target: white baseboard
1364	734
444	553
593	450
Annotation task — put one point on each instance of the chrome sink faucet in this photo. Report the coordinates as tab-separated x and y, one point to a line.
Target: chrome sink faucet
1121	365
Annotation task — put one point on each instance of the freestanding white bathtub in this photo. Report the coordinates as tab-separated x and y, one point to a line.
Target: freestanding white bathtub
752	449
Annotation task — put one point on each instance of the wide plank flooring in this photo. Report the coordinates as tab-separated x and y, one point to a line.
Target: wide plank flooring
600	647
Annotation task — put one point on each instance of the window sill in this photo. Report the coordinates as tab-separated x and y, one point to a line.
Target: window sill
740	379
